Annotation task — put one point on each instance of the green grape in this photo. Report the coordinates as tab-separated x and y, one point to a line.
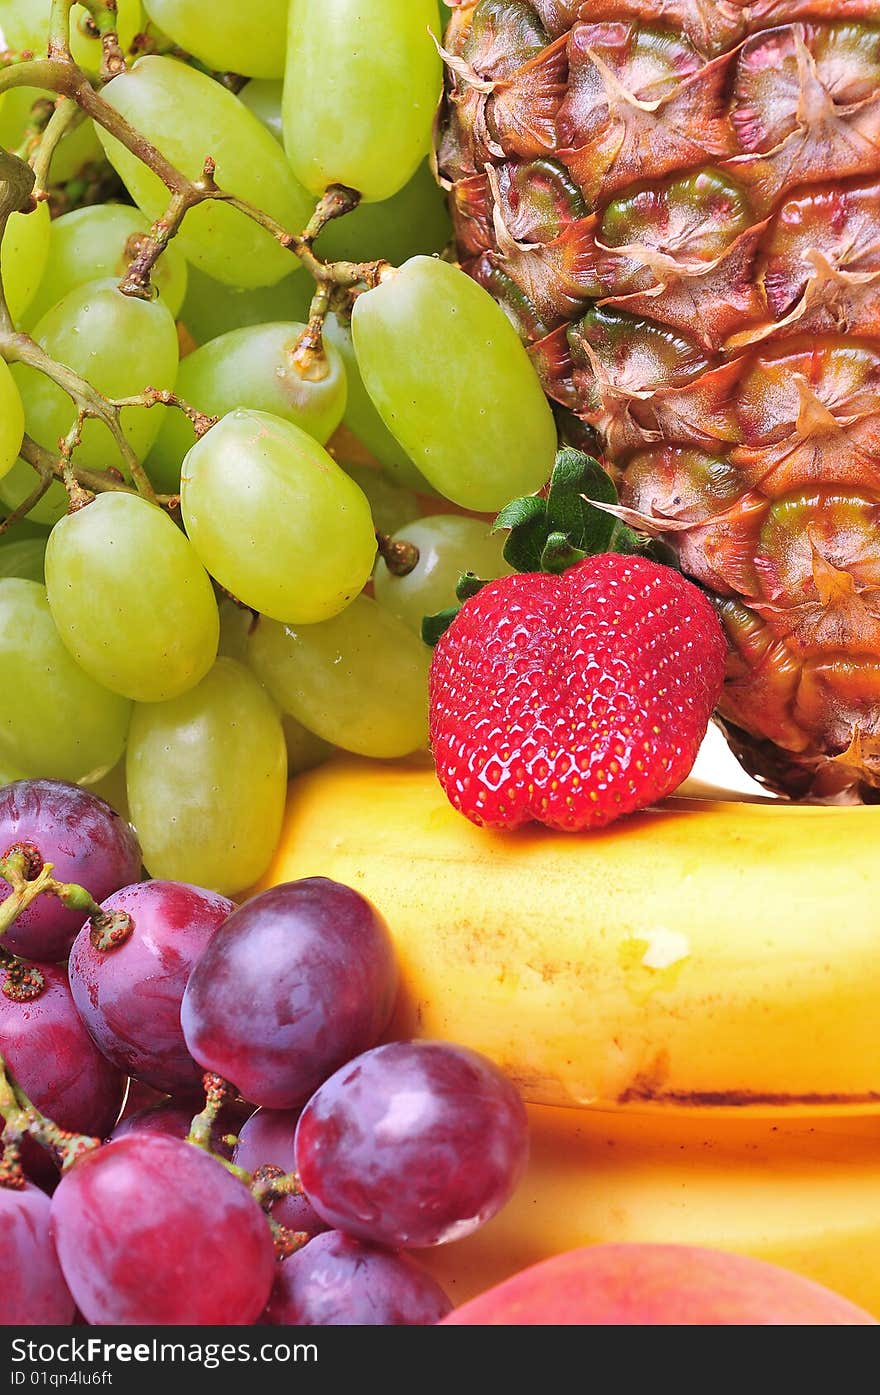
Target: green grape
263	98
211	309
11	420
93	243
120	345
79	146
230	37
111	787
189	117
207	781
20	483
450	378
442	18
55	721
23	254
361	87
305	750
23	557
25	24
130	598
390	505
361	416
448	545
9	771
415	220
275	520
359	680
255	368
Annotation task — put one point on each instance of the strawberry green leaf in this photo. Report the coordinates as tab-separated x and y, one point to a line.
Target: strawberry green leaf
558	554
434	626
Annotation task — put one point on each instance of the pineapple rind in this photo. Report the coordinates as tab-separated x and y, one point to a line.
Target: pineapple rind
678	204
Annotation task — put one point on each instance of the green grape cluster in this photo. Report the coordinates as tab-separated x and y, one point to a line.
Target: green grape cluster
187	654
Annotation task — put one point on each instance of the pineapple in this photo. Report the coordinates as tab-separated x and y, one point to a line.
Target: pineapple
678	204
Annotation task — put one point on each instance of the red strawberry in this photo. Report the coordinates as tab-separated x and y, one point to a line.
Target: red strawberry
574	699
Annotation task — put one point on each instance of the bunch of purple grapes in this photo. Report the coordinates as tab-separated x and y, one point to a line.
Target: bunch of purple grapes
393	1147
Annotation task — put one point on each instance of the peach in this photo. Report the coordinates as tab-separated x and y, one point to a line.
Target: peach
657	1285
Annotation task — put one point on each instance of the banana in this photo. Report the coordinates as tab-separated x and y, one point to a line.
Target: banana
803	1193
718	954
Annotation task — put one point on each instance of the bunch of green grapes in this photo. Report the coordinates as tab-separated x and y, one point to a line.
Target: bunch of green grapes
236	626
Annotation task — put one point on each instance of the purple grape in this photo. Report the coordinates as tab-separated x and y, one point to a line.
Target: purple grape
33	1291
56	1063
129	995
339	1281
268	1138
151	1230
85	840
414	1143
295	983
173	1118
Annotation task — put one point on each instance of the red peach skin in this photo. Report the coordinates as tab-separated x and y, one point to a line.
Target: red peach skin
657	1285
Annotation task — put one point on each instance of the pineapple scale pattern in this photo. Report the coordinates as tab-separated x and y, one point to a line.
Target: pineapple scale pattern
678	205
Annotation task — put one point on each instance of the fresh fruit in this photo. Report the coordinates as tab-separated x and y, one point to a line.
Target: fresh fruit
574	699
231	39
263	97
447	546
86	842
35	1292
677	211
150	627
658	1285
254	367
100	241
359	680
215	237
348	118
128	991
121	345
798	1192
23	557
194	1249
55	720
480	435
213	308
11	420
362	418
339	1281
412	1144
206	779
25	25
25	247
257	489
53	1058
78	147
295	983
627	968
267	1139
413	222
174	1117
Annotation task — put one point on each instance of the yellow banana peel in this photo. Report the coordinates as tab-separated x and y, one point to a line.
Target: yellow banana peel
802	1193
717	954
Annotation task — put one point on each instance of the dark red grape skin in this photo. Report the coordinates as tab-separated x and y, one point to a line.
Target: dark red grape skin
297	981
336	1280
129	996
174	1119
56	1063
412	1144
85	840
33	1291
153	1230
267	1138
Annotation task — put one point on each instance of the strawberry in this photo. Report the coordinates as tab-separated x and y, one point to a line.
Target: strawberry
573	699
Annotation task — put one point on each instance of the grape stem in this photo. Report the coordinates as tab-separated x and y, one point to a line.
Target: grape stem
22	868
22	1117
65	115
400	557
